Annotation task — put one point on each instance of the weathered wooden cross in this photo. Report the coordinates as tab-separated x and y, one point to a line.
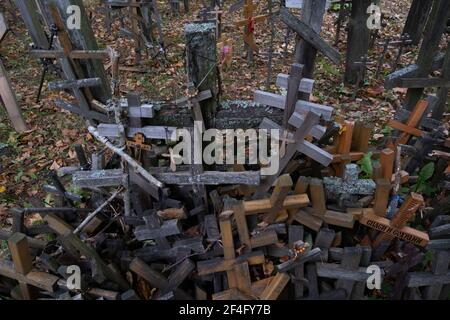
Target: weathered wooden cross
7	95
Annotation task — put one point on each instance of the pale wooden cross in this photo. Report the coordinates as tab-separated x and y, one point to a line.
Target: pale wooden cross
409	129
396	228
351	136
249	22
275	209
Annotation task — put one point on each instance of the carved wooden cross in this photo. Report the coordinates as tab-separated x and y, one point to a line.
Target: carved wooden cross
396	228
249	22
7	95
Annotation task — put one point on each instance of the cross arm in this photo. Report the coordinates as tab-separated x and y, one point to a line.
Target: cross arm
309	35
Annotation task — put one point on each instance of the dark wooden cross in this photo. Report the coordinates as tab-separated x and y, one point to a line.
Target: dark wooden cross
7	95
362	69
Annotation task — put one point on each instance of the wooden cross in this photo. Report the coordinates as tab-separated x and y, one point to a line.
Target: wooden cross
318	214
343	14
308	34
249	22
21	269
396	228
349	184
7	95
409	129
349	275
434	281
405	40
226	52
273	208
160	282
362	67
350	144
235	268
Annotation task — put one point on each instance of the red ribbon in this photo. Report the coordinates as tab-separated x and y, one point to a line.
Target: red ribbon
251	25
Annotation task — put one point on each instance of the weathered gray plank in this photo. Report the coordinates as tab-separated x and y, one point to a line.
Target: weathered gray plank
306	85
278	101
98	178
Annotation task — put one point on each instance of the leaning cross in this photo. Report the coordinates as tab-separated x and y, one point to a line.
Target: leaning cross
409	128
236	268
6	92
396	228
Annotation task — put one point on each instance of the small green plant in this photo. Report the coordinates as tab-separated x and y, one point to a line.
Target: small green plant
423	185
366	166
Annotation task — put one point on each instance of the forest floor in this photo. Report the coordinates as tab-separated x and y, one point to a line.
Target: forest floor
53	132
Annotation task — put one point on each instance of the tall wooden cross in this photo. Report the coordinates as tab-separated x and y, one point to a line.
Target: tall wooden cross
7	95
249	23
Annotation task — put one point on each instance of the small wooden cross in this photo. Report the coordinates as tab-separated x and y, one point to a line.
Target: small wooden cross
396	228
405	40
138	143
225	52
249	22
385	45
362	67
409	129
351	143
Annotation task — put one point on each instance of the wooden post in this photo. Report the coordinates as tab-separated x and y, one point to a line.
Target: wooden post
6	93
436	25
18	246
442	93
417	18
9	100
358	39
82	39
387	160
313	12
202	66
382	197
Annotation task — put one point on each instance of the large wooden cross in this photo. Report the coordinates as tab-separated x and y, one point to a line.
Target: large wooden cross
7	95
249	22
396	228
273	208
